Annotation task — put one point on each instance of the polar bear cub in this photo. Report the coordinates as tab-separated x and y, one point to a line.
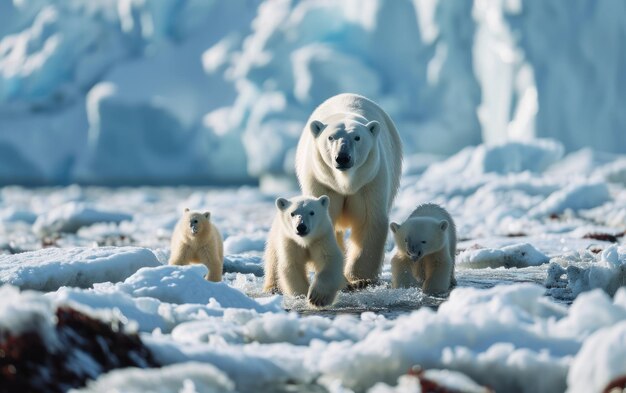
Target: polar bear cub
197	240
425	250
302	237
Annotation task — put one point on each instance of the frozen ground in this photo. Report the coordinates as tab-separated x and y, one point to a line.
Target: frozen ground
537	237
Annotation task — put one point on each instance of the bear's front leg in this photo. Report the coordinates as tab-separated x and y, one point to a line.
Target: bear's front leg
402	272
209	256
438	274
270	268
366	250
329	277
292	277
180	255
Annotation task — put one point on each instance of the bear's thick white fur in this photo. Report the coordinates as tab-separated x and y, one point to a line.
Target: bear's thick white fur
197	240
425	250
302	237
362	191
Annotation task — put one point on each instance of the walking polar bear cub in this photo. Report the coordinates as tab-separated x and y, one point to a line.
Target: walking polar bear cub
425	250
302	236
350	150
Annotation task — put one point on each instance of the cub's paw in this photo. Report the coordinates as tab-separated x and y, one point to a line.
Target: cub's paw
319	297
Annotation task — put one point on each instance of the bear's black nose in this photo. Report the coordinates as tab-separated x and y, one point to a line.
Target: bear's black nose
301	229
343	160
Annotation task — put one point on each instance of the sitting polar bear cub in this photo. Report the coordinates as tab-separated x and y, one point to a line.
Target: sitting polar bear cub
426	246
302	235
197	240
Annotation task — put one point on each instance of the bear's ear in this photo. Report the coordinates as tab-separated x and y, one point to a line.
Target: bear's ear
186	210
207	215
443	225
282	204
324	200
394	227
317	127
374	127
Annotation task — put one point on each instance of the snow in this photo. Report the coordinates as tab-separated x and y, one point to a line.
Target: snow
607	271
51	268
517	255
227	86
185	378
512	316
72	216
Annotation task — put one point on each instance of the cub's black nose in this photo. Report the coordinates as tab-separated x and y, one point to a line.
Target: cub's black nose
343	159
302	229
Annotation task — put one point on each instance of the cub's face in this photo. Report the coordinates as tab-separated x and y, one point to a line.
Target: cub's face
195	223
304	218
418	237
344	146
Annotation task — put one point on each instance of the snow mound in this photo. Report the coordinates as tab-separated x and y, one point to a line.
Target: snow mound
600	360
185	284
516	255
512	157
185	377
27	311
608	272
432	380
72	216
51	268
575	197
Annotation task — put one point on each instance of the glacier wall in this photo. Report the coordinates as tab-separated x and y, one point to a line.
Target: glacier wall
216	92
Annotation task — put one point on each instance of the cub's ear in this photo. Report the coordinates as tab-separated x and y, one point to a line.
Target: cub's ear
186	210
443	225
394	227
317	127
324	200
207	215
374	127
282	204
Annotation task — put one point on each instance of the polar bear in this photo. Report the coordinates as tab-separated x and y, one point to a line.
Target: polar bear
302	236
350	150
425	250
197	240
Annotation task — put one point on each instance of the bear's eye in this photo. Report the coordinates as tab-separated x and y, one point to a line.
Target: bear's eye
357	138
330	138
293	214
423	241
312	213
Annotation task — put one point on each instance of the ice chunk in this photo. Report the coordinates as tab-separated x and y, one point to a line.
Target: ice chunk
517	255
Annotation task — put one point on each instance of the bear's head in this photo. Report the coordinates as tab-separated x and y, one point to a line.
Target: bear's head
420	236
304	219
196	223
345	145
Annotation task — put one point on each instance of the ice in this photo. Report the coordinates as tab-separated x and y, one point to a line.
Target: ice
51	268
607	272
72	216
517	255
185	378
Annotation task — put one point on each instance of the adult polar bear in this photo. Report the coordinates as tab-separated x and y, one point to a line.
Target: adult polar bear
350	150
